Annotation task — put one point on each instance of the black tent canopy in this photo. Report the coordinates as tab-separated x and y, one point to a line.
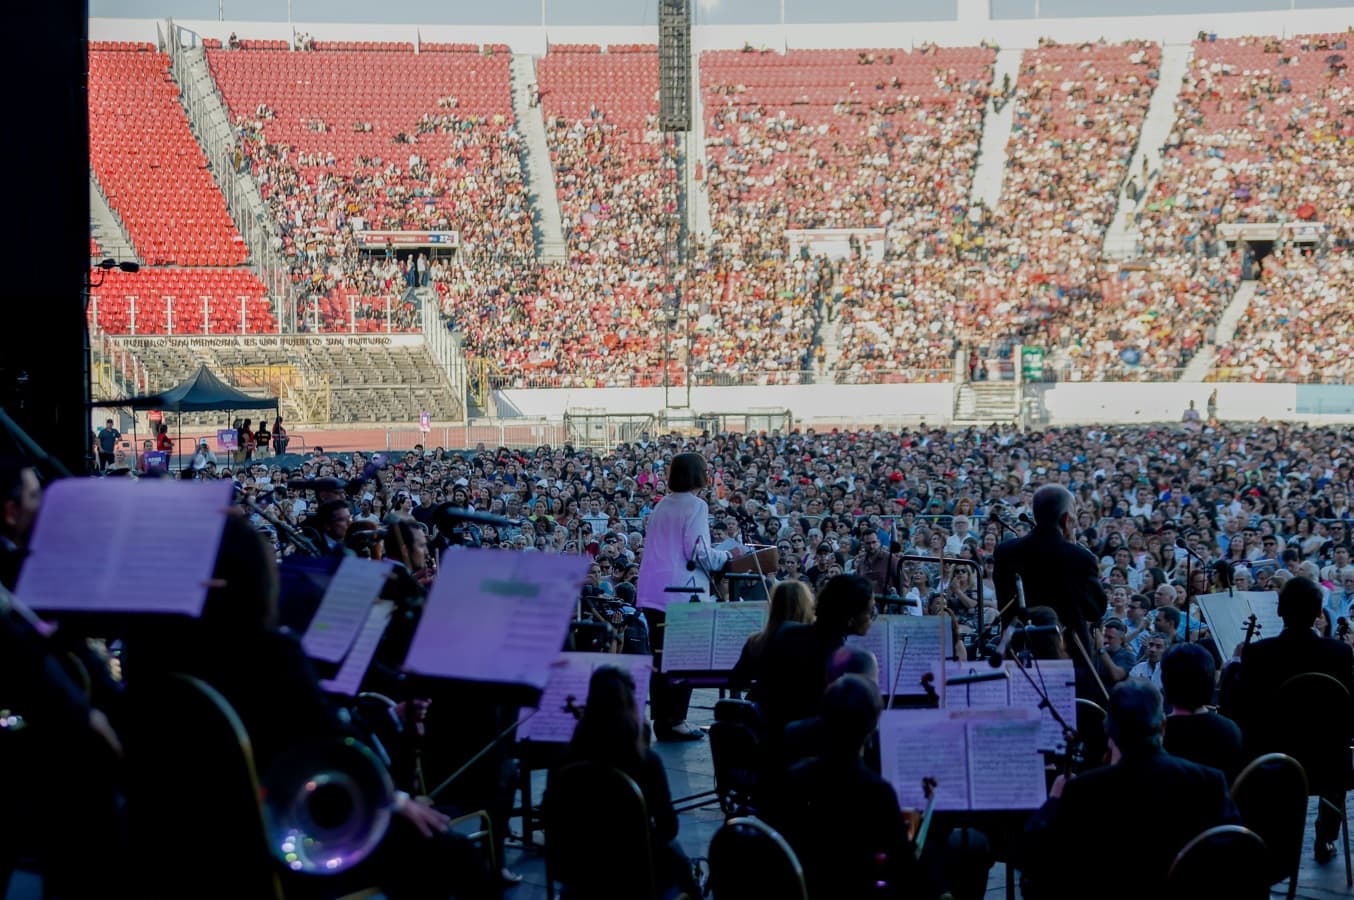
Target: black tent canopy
202	392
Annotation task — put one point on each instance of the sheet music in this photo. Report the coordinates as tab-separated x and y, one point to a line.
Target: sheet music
924	652
1060	682
877	642
734	624
688	637
976	695
497	616
981	759
569	676
1265	605
1226	614
919	743
355	586
348	681
151	546
1006	770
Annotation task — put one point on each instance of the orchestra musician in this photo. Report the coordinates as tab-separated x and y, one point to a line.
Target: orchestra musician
1269	663
677	552
58	750
611	732
265	676
1065	839
842	819
795	663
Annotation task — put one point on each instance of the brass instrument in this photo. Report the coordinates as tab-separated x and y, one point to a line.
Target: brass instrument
327	806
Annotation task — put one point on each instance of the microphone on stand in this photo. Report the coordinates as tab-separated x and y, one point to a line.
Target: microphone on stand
996	519
1189	577
1180	542
998	653
994	659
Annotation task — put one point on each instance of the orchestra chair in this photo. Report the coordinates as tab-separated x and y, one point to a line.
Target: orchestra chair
738	753
1271	794
190	771
1309	720
749	858
477	828
1224	861
588	806
1094	736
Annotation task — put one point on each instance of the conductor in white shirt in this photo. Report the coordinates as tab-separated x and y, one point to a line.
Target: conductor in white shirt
677	552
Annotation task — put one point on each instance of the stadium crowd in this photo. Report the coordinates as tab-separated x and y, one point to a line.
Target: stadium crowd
1229	489
1257	139
861	139
1272	500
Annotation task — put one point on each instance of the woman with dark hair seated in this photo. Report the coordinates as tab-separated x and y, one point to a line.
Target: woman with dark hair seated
794	664
611	733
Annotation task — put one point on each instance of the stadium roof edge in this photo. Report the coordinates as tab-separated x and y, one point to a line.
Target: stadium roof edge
1010	33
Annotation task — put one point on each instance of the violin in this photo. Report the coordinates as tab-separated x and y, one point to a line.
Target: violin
1252	627
572	708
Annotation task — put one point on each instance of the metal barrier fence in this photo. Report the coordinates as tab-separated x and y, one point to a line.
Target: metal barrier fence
654	378
515	434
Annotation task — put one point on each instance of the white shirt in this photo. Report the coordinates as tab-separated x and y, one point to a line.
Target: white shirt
677	532
1146	671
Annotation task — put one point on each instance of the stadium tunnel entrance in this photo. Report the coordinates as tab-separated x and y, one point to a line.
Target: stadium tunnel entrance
1253	253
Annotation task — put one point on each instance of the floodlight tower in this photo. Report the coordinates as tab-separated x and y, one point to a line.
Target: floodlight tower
674	121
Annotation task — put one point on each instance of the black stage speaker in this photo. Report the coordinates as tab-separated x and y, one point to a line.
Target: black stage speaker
44	360
674	65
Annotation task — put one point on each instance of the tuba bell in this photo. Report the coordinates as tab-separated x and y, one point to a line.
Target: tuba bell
326	806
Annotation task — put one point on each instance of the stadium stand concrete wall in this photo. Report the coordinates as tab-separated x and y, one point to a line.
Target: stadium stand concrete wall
1053	404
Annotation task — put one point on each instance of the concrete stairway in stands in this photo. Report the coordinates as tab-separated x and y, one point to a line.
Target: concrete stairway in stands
540	171
1121	240
1203	360
986	402
698	199
106	227
991	168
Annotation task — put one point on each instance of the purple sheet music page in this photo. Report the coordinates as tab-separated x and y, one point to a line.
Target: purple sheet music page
497	616
106	545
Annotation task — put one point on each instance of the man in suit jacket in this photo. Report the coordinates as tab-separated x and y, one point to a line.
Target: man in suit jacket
1054	570
1267	664
1158	801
